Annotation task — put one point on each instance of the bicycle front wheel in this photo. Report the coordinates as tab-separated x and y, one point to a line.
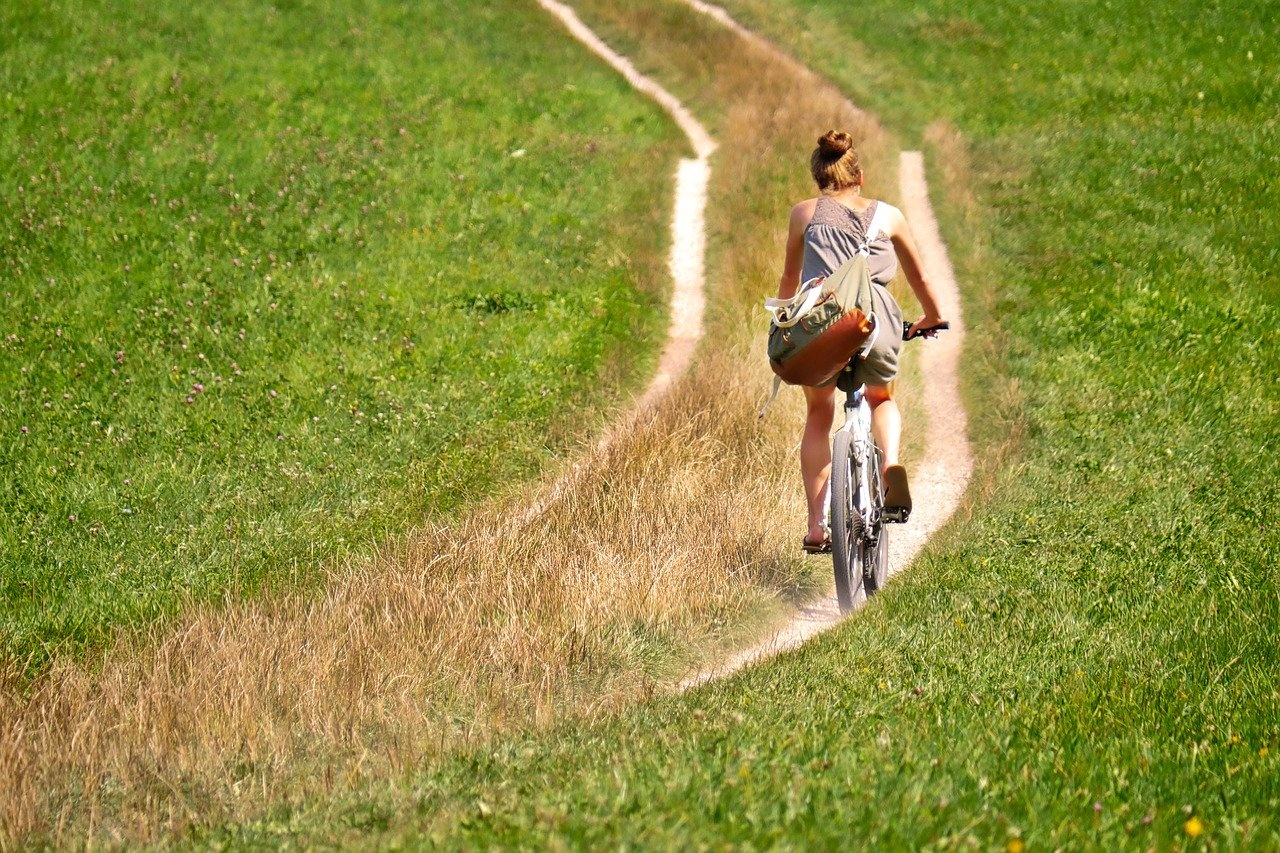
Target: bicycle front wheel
846	522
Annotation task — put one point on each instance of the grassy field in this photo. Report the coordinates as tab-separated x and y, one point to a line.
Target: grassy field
1088	658
279	281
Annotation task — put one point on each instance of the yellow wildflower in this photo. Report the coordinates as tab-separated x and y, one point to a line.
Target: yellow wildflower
1194	827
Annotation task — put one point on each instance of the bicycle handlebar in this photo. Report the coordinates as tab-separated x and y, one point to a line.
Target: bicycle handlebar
930	332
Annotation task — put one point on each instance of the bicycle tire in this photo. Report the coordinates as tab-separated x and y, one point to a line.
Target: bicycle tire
846	522
875	564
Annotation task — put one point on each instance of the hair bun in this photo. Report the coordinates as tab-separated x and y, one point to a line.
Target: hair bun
835	143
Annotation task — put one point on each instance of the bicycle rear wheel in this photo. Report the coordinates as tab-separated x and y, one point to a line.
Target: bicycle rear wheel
846	522
875	561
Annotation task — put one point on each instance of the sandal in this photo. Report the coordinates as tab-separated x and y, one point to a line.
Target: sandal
823	547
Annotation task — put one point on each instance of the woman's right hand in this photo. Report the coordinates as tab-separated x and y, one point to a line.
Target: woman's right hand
927	326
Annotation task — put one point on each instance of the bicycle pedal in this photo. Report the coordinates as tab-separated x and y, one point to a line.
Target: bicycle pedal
895	515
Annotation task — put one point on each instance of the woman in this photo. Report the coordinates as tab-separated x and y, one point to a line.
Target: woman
824	233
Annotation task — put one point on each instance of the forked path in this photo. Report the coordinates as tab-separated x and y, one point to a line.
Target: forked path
943	473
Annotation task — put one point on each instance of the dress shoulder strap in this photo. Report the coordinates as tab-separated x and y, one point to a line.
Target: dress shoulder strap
878	225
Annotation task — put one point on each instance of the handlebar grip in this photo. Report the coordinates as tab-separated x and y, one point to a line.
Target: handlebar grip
923	333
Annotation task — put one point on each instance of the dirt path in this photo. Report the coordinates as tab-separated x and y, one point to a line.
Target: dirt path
942	475
688	220
687	261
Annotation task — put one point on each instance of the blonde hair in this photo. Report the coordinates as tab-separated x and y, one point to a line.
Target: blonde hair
834	163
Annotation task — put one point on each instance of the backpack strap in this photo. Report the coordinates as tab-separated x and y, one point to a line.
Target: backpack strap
777	384
787	312
878	217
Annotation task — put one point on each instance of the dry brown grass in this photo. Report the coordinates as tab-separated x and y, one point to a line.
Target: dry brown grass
678	530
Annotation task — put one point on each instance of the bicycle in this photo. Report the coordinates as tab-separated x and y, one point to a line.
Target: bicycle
859	537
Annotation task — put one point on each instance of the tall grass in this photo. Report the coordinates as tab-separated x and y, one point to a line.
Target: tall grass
667	542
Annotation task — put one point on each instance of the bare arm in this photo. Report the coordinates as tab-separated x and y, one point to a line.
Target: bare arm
905	247
801	214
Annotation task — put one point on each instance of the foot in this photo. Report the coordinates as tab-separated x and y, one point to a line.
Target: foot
897	495
820	544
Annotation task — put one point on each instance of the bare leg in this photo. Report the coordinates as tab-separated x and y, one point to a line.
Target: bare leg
815	455
886	422
886	425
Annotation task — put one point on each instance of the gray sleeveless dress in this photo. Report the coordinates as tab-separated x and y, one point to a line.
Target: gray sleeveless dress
831	238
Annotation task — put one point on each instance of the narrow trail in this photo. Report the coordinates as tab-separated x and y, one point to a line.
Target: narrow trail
943	474
687	261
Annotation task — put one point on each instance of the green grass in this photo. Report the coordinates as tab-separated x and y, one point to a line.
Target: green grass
280	281
1088	657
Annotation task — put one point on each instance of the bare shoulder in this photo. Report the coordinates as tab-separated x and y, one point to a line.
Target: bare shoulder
802	213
